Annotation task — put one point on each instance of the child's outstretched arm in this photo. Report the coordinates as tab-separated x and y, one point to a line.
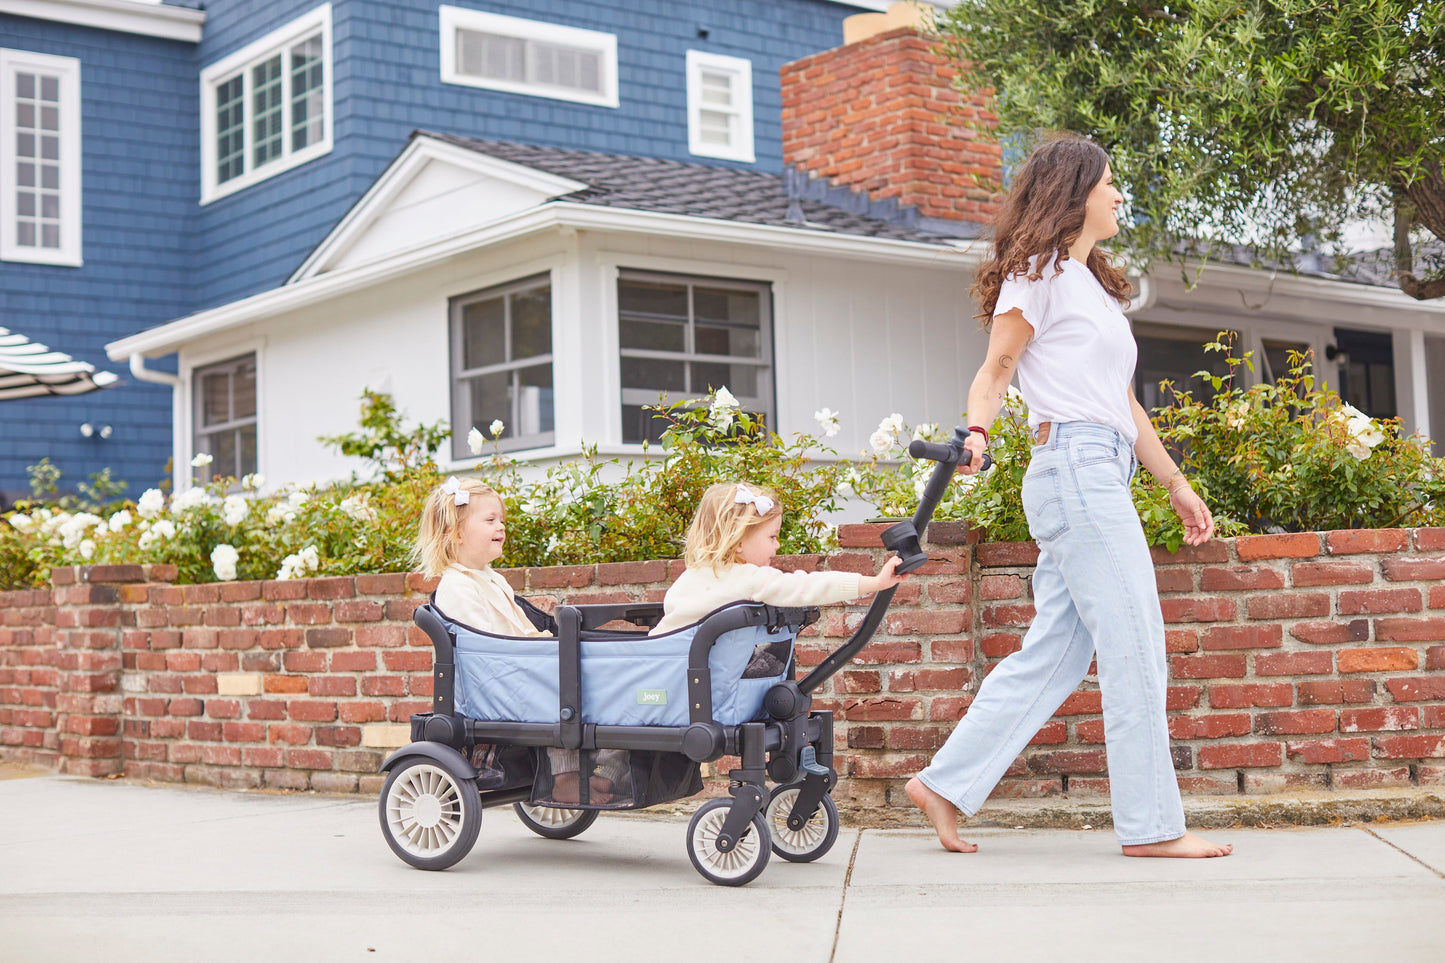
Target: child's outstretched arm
886	578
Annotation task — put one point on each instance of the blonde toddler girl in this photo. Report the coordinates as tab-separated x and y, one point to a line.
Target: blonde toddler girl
729	553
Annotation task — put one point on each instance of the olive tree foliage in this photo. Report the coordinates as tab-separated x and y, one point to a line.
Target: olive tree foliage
1267	122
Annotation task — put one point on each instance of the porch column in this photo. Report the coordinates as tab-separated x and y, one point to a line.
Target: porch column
1412	381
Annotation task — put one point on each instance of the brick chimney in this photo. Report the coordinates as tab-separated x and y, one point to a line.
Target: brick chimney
880	117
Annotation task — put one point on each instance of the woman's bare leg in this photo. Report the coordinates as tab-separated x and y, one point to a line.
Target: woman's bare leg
942	814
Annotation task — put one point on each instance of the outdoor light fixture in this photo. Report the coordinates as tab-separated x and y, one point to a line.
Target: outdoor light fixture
89	430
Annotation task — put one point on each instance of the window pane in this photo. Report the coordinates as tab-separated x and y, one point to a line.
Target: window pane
557	66
716	88
247	454
307	104
740	379
654	373
653	335
639	425
215	397
531	323
244	390
533	398
491	56
49	235
484	333
721	304
1174	355
491	401
266	111
653	298
738	342
713	127
223	455
50	89
230	116
25	85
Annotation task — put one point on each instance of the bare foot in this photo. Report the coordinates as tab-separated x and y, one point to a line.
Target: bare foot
1188	846
941	813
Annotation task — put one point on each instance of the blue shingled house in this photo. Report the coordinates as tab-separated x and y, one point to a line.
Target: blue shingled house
162	159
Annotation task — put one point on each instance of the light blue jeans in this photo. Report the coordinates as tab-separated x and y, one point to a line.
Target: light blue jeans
1096	597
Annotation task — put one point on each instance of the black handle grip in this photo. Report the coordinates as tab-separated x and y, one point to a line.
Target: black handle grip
945	454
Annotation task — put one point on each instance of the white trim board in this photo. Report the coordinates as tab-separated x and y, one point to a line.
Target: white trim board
122	16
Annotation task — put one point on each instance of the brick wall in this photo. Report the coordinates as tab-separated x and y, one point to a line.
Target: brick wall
1297	661
882	116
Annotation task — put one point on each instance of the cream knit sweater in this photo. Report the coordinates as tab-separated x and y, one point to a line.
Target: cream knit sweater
699	591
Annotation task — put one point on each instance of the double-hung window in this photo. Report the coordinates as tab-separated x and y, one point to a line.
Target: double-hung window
528	57
683	336
224	404
267	107
719	106
39	158
501	349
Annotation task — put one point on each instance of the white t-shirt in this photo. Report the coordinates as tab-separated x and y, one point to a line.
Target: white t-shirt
1080	364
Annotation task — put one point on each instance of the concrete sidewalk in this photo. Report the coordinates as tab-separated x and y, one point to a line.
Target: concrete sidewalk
115	871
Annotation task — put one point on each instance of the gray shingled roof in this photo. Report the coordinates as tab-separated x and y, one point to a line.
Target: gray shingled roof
695	190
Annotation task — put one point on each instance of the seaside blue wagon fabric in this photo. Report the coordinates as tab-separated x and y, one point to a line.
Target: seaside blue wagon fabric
639	681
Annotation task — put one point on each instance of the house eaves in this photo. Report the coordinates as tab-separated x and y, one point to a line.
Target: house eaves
125	16
554	215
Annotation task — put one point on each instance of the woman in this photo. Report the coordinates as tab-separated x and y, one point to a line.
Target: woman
1051	300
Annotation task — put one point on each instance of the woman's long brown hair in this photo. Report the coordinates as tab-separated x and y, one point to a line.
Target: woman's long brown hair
1042	215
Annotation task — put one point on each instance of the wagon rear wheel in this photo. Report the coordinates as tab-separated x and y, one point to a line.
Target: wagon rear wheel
805	843
555	823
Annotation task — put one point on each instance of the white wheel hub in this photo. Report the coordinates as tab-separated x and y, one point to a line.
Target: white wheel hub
424	810
802	840
736	861
552	817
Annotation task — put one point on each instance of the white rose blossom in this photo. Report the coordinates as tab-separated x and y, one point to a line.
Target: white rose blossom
881	440
253	482
87	549
475	441
827	420
151	503
165	528
496	428
223	562
724	407
193	497
299	563
21	522
201	460
234	510
119	520
73	529
357	507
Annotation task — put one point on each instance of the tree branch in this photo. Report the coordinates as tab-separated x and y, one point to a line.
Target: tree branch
1405	261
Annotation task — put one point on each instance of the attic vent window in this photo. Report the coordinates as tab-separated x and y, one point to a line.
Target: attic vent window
267	107
528	57
719	106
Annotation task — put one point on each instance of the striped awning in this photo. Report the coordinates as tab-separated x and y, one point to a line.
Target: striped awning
28	369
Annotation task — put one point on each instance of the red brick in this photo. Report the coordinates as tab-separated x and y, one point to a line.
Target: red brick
223	708
1371	778
927	622
1210	553
284	683
868	737
561	576
1207	666
308	613
1331	633
1435	657
1052	734
338	736
332	685
1353	541
1174	580
265	709
1215	725
1000	587
1291	605
274	591
886	651
1418	689
1378	660
632	573
1380	600
1414	569
955	591
383	685
1008	615
1294	663
1334	692
1089	731
1318	751
947	708
405	660
1409	747
1432	717
1410	630
883	710
1000	644
390	583
295	735
1388	718
1182	697
1430	539
1331	573
888	767
1239	578
861	535
1297	722
353	661
380	636
305	662
1250	694
995	554
1081	703
243	732
1252	548
363	610
1197	609
308	759
185	707
1243	756
1076	760
960	650
1181	640
1219	637
302	710
328	638
362	712
863	680
330	588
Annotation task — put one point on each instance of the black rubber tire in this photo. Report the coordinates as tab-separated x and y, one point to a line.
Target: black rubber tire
429	814
574	825
816	837
747	860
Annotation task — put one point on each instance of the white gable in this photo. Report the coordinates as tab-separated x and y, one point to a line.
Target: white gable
434	190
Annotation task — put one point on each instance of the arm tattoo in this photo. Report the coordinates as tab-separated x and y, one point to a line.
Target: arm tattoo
1004	360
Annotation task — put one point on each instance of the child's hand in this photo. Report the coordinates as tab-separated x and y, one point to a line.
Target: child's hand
886	578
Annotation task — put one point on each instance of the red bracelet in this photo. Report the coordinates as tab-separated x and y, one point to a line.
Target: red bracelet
981	431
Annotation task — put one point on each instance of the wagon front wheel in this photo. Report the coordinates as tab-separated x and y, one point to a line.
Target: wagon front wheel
805	843
736	866
555	823
430	816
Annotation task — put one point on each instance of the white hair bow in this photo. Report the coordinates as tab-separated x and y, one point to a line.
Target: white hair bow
761	502
452	487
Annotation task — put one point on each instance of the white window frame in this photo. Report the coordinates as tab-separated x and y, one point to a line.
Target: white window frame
242	61
194	371
453	19
740	145
67	69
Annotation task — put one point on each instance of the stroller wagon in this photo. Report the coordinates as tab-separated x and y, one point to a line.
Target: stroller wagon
599	718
